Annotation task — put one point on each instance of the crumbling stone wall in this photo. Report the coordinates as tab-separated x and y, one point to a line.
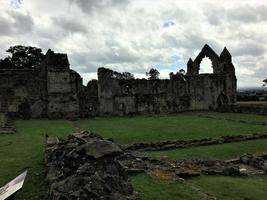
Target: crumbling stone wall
22	92
192	91
49	90
53	90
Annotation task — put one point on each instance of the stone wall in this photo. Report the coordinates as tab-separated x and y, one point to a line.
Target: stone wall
53	90
193	91
49	90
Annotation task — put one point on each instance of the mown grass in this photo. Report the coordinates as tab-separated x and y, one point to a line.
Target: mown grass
24	149
233	188
168	127
222	151
249	118
149	188
220	187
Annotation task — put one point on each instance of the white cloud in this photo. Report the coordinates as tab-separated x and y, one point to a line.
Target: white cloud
134	35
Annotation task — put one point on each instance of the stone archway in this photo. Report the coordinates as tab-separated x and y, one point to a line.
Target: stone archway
209	53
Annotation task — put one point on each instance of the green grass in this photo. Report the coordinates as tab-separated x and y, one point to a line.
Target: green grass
170	127
220	187
222	151
24	150
233	188
250	118
149	188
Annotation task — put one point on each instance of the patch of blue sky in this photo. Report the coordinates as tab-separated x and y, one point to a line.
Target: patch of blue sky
172	67
16	3
168	23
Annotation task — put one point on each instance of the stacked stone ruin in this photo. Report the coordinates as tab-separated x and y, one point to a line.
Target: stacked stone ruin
54	90
85	166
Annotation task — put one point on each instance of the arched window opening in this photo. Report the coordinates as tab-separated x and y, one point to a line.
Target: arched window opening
205	66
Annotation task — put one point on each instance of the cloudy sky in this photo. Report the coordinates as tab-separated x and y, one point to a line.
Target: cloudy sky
135	35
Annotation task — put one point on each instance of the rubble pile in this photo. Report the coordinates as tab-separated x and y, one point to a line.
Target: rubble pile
84	166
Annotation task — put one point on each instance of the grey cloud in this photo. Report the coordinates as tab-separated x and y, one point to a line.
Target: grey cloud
247	14
90	5
23	23
16	23
249	49
6	27
69	24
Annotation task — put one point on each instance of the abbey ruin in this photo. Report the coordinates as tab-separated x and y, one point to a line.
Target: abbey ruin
53	90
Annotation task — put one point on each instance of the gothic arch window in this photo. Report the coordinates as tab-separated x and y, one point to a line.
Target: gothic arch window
206	66
211	55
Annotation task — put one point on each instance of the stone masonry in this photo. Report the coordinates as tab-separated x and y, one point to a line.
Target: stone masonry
53	90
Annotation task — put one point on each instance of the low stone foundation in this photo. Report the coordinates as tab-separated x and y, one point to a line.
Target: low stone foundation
247	164
176	144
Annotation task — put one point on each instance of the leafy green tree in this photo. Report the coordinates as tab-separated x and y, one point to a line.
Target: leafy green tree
264	82
22	57
153	74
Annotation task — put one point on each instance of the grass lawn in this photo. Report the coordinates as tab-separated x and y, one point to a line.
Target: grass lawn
149	188
24	149
233	188
250	118
220	187
222	151
168	127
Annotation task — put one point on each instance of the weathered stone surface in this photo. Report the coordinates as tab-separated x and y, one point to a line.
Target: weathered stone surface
51	89
6	125
135	162
85	167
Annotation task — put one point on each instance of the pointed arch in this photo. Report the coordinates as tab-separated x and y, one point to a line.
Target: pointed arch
207	52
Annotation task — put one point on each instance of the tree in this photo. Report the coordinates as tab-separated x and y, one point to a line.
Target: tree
153	74
124	75
6	63
22	57
264	82
127	75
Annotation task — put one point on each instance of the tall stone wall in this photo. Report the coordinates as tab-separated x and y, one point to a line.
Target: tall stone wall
63	87
53	90
49	90
22	93
193	91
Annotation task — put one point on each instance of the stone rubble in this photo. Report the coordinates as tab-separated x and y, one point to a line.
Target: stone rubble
83	167
135	162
